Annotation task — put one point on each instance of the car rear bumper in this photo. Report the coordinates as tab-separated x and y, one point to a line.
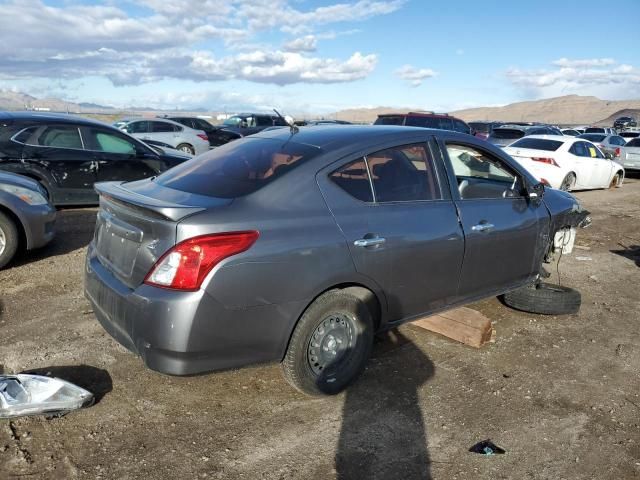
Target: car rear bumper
184	333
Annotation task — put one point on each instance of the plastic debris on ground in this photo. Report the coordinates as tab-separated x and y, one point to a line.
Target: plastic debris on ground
487	447
24	394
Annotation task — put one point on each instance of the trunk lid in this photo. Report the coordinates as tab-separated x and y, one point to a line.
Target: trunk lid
137	222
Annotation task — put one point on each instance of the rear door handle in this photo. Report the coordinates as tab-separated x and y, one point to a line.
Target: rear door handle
369	242
482	227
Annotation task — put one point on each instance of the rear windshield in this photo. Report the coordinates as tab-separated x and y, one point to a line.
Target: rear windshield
630	134
634	143
480	127
237	168
594	130
507	133
390	120
593	137
538	144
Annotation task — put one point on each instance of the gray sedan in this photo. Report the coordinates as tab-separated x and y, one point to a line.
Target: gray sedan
611	145
27	218
630	157
297	246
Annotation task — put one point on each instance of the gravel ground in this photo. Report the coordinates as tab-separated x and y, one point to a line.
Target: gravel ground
560	394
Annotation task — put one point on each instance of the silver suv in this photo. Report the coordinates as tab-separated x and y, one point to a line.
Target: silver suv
169	132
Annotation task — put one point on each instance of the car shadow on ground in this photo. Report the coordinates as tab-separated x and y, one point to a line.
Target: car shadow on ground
95	380
632	252
383	433
74	229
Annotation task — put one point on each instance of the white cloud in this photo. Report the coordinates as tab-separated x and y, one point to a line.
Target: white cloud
601	76
308	43
414	76
589	62
180	39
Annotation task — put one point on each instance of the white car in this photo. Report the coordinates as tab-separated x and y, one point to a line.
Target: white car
567	163
171	133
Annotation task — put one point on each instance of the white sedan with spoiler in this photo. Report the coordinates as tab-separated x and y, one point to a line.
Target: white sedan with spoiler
567	163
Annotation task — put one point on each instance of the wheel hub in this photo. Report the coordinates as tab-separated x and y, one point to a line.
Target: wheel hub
330	343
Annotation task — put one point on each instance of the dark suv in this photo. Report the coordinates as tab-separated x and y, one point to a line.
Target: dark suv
242	125
68	154
624	122
440	121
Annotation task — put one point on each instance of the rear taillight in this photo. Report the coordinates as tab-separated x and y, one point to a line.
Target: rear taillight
617	152
547	160
185	266
203	136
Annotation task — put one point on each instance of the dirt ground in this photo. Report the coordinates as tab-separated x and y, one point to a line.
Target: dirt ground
560	394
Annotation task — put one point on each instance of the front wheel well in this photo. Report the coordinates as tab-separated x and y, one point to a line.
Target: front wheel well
22	234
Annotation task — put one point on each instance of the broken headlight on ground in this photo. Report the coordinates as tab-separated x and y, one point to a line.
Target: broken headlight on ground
24	394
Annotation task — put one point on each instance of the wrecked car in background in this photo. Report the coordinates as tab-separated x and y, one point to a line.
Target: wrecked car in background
297	246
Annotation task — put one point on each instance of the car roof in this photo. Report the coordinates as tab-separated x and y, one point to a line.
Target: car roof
417	114
337	136
49	117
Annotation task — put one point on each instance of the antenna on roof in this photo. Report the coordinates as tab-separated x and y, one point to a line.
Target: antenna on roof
292	126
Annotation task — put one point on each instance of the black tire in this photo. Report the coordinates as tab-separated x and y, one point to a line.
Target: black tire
304	371
9	239
544	298
568	182
185	147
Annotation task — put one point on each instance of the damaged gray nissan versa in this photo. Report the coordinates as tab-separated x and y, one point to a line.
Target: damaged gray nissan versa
297	246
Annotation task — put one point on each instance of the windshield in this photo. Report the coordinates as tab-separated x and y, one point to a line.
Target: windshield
237	168
538	144
593	137
480	127
234	121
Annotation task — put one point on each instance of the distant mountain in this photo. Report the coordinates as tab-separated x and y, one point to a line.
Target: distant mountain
570	109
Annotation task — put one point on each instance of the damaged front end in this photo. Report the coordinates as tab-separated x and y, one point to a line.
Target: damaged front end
567	215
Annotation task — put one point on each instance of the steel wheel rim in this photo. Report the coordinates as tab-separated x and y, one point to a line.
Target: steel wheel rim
331	344
3	241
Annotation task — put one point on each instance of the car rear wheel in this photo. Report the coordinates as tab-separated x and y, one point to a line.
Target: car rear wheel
544	298
330	345
185	147
8	239
568	182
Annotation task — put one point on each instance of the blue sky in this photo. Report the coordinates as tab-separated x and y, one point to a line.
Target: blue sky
318	56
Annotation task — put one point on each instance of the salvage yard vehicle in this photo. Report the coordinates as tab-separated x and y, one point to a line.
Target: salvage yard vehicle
178	136
630	157
244	124
507	134
297	246
566	163
611	145
622	123
68	154
27	219
441	121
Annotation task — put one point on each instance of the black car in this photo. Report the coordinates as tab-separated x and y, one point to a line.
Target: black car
68	154
509	133
242	125
624	122
439	121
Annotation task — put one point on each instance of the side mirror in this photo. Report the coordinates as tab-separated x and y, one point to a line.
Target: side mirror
536	192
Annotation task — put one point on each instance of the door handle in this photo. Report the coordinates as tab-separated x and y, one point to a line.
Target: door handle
369	242
483	227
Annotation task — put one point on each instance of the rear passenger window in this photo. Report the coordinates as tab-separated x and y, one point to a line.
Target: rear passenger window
480	175
163	127
58	137
398	174
354	179
460	126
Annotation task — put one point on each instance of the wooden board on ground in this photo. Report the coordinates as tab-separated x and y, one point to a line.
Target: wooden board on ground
461	324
